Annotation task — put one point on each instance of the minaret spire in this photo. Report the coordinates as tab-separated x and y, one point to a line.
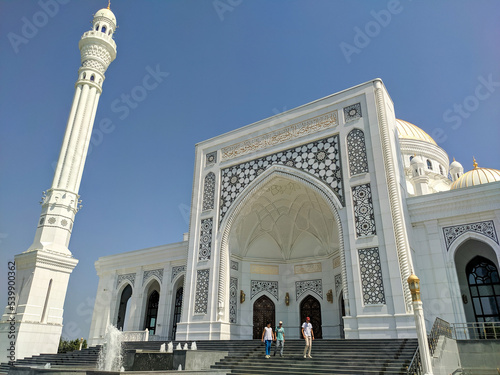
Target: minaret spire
43	270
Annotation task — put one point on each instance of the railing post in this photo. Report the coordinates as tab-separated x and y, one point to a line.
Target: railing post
146	335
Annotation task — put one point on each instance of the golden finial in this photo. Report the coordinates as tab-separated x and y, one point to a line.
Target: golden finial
474	162
454	159
109	4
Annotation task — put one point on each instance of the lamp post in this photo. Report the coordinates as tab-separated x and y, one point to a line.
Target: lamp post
425	355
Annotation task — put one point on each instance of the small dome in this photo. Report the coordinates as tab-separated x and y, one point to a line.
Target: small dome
416	160
407	130
477	176
106	13
455	164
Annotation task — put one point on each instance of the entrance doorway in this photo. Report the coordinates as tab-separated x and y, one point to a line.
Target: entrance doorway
484	286
122	309
310	307
263	312
152	312
342	314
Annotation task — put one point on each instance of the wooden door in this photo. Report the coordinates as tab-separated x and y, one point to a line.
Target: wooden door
310	307
263	312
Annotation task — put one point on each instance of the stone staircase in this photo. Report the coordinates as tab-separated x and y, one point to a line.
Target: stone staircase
329	356
247	357
85	359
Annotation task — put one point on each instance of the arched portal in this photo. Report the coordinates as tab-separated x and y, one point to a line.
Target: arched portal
311	307
263	312
342	314
122	308
484	287
176	318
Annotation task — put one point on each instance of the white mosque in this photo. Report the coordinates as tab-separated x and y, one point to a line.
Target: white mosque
322	211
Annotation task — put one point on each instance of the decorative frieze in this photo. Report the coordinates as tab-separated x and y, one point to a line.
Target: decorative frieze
176	270
233	299
282	135
128	276
307	268
205	250
201	297
304	286
320	158
264	269
363	210
209	191
356	151
370	270
267	286
485	228
352	112
147	274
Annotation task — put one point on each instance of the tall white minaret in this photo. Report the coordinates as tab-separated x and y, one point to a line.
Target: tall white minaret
33	325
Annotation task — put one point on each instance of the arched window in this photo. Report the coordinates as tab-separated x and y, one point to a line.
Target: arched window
441	170
84	75
152	312
177	311
411	157
96	27
122	309
484	287
103	29
429	165
46	304
92	77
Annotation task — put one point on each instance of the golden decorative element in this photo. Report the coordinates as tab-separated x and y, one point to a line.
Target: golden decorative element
285	134
414	284
287	299
307	268
407	130
242	296
329	296
264	269
474	162
476	176
109	4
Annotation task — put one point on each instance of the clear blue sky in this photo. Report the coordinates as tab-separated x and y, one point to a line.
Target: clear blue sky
230	63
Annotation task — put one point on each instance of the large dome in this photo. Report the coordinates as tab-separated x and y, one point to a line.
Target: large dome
477	176
407	130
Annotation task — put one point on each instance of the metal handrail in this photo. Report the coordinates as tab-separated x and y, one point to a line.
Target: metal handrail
439	328
415	366
476	331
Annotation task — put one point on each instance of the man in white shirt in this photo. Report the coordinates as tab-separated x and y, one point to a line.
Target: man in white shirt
308	334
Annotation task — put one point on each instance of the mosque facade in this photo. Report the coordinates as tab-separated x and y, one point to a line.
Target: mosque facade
322	211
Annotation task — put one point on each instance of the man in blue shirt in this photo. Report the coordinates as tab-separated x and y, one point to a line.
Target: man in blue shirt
279	337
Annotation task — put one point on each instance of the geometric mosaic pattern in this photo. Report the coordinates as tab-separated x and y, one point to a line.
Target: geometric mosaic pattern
320	158
371	276
486	228
205	239
212	158
314	286
233	299
268	286
177	270
363	210
201	298
352	112
147	274
338	283
234	265
209	191
129	276
356	150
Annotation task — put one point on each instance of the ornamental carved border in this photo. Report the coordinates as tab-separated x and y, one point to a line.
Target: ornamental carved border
370	270
258	286
128	276
319	158
147	274
279	136
176	270
201	297
315	286
485	228
233	299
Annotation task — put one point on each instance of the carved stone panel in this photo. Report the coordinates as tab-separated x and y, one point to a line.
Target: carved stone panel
147	274
209	191
268	286
363	210
233	299
201	297
315	286
486	228
371	276
205	250
356	151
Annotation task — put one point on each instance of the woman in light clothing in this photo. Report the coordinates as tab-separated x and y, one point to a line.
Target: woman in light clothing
267	337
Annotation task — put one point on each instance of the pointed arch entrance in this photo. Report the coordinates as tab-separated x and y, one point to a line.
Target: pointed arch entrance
263	312
311	307
177	310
